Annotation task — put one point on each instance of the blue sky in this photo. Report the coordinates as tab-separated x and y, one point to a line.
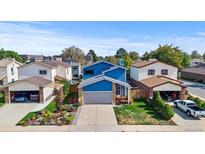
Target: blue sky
105	38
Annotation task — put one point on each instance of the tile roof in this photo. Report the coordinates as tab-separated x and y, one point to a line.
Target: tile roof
56	63
6	61
140	64
39	63
158	80
42	82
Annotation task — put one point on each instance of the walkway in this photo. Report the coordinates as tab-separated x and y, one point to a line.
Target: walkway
11	114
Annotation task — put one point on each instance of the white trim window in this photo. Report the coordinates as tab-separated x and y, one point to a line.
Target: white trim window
151	72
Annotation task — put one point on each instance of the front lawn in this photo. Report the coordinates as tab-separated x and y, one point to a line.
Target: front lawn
51	115
139	113
2	99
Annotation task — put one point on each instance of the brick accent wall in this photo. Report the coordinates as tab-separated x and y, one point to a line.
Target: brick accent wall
113	93
41	95
80	96
7	95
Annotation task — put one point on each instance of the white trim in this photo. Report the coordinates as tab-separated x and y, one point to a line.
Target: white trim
114	68
94	80
98	91
97	63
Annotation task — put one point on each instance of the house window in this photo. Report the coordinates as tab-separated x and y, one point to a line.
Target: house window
12	70
88	72
1	82
164	72
151	72
75	75
12	80
118	89
42	72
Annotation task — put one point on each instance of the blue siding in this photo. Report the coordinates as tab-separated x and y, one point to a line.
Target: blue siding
99	86
118	74
97	69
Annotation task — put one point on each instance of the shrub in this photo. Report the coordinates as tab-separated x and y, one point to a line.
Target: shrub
167	112
65	86
2	98
197	100
160	107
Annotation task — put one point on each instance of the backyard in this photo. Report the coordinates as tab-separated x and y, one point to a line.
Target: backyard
139	113
53	114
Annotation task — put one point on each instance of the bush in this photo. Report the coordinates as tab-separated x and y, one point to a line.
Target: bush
160	107
65	86
197	100
167	112
2	98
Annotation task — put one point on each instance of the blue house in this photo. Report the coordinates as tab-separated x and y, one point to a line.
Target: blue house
104	83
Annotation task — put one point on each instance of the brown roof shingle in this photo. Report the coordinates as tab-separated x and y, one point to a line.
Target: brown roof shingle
56	63
194	70
158	80
140	64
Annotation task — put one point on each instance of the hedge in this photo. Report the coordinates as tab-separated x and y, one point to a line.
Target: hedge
199	102
160	107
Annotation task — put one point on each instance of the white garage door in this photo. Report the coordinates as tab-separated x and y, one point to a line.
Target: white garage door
97	97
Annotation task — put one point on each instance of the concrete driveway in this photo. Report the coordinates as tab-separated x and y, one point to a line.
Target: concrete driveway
11	114
96	115
181	119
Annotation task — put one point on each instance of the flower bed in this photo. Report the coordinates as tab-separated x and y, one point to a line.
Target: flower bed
53	114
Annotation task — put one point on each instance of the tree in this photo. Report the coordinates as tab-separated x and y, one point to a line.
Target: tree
111	59
128	61
147	56
92	52
59	99
168	54
186	58
134	55
10	54
195	55
74	54
121	53
204	56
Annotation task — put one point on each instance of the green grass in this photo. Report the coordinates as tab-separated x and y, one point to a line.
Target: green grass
69	96
51	107
139	113
2	99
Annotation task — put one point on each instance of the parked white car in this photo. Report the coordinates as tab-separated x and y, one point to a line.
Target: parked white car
189	107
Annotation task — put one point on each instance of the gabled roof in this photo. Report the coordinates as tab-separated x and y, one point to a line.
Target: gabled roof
56	63
141	64
36	80
100	78
6	61
98	63
39	63
2	74
159	80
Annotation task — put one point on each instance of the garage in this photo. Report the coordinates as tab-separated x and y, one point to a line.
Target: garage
30	90
91	97
24	96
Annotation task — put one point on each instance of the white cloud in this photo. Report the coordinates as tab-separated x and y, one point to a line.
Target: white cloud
26	39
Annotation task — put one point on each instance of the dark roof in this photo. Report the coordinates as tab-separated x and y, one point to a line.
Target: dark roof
195	70
56	63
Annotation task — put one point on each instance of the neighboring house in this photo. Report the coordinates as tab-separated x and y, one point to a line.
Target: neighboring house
196	62
8	70
153	75
38	78
58	57
196	73
104	82
76	70
48	69
88	59
32	58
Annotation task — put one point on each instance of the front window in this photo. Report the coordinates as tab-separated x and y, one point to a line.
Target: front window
12	70
43	72
88	72
118	89
164	72
151	72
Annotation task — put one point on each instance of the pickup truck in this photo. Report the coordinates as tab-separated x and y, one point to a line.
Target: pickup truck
190	108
